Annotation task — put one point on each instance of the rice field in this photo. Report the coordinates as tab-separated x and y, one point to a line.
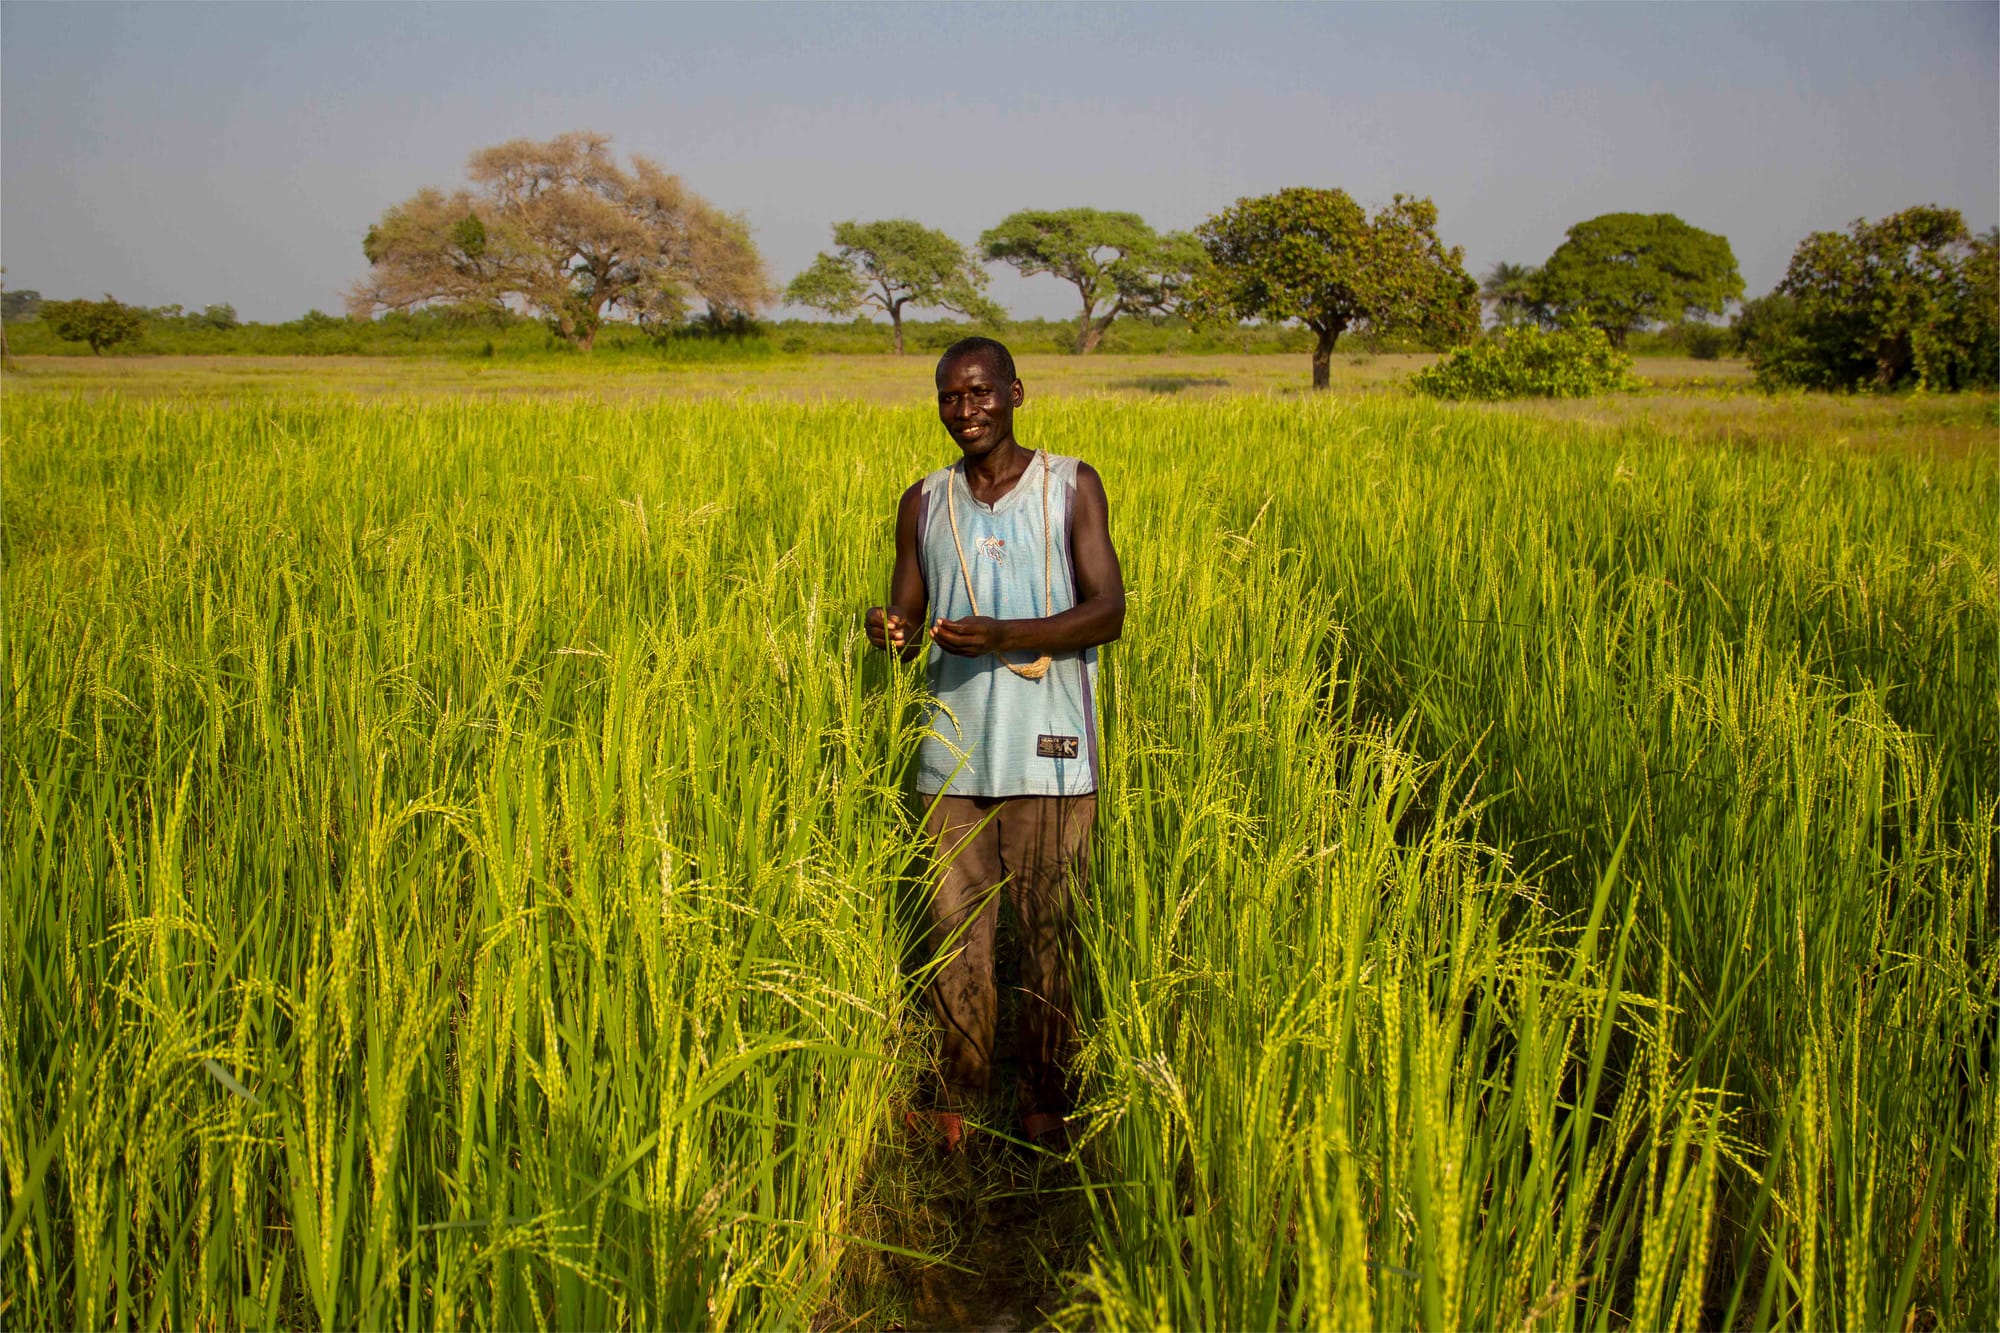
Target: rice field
459	872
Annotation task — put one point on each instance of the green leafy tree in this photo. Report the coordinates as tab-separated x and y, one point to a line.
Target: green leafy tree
1117	263
1913	298
17	306
1624	271
1764	323
890	265
102	324
1514	293
561	227
1315	256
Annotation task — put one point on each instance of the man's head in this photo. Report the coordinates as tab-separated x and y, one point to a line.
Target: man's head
977	394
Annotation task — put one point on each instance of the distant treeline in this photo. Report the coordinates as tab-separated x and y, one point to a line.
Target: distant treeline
556	247
171	331
446	332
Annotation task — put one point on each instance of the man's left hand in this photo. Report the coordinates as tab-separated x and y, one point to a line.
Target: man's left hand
974	636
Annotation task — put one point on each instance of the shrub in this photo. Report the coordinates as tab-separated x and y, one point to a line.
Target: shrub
1708	342
1531	363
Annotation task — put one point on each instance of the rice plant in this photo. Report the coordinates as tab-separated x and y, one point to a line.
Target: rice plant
458	869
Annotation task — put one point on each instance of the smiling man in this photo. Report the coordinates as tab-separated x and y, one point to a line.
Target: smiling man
1010	551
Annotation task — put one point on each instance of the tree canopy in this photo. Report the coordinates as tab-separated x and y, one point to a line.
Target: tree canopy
1315	256
1114	260
1623	271
23	304
890	265
560	227
1911	299
102	324
1514	292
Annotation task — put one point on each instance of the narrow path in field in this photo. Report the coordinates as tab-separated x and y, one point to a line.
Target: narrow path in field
999	1224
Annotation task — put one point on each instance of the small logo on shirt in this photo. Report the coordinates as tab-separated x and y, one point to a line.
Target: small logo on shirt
994	549
1055	747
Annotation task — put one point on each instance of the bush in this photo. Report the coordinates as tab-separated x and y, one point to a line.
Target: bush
1531	363
1708	342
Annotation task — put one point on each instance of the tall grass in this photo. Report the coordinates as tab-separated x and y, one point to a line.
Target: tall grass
446	871
1662	991
455	869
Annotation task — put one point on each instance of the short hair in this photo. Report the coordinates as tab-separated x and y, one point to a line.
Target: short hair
1003	360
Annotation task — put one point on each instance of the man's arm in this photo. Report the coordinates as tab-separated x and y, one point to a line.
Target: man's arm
1099	614
900	624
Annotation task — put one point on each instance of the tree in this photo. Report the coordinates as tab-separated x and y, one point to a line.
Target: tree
1623	271
21	305
1315	256
102	324
1112	258
1514	292
890	265
560	227
1913	298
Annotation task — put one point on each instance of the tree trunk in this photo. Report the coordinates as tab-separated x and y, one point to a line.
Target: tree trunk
1091	332
1617	336
1323	353
598	300
896	320
1892	356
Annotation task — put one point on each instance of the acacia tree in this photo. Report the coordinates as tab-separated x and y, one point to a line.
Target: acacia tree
102	324
1912	298
1317	257
890	265
1623	271
1113	259
560	227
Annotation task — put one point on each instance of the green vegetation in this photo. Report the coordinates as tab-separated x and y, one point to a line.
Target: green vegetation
1627	271
23	304
456	872
1315	256
98	324
1575	362
1912	299
890	265
1112	259
434	332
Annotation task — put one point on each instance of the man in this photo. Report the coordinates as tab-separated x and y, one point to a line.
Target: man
1010	551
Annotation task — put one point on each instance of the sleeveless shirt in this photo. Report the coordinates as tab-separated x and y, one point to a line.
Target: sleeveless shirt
993	733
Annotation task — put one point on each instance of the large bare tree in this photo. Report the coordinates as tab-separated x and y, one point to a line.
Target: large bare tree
560	227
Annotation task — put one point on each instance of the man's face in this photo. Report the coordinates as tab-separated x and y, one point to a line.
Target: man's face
974	404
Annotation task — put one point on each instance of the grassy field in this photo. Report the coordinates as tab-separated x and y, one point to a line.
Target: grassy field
458	872
878	379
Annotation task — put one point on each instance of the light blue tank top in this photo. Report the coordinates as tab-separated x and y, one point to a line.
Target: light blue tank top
992	732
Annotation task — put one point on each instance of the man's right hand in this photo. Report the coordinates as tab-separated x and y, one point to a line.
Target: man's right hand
888	630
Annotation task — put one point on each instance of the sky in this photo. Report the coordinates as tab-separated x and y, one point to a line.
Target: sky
197	153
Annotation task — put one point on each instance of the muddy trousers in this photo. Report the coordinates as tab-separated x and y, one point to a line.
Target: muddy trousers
1034	849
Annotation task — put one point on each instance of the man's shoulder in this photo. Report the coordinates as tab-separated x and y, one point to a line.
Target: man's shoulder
1068	467
1087	477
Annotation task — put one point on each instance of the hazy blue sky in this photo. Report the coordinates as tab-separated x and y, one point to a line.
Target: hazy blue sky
237	152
